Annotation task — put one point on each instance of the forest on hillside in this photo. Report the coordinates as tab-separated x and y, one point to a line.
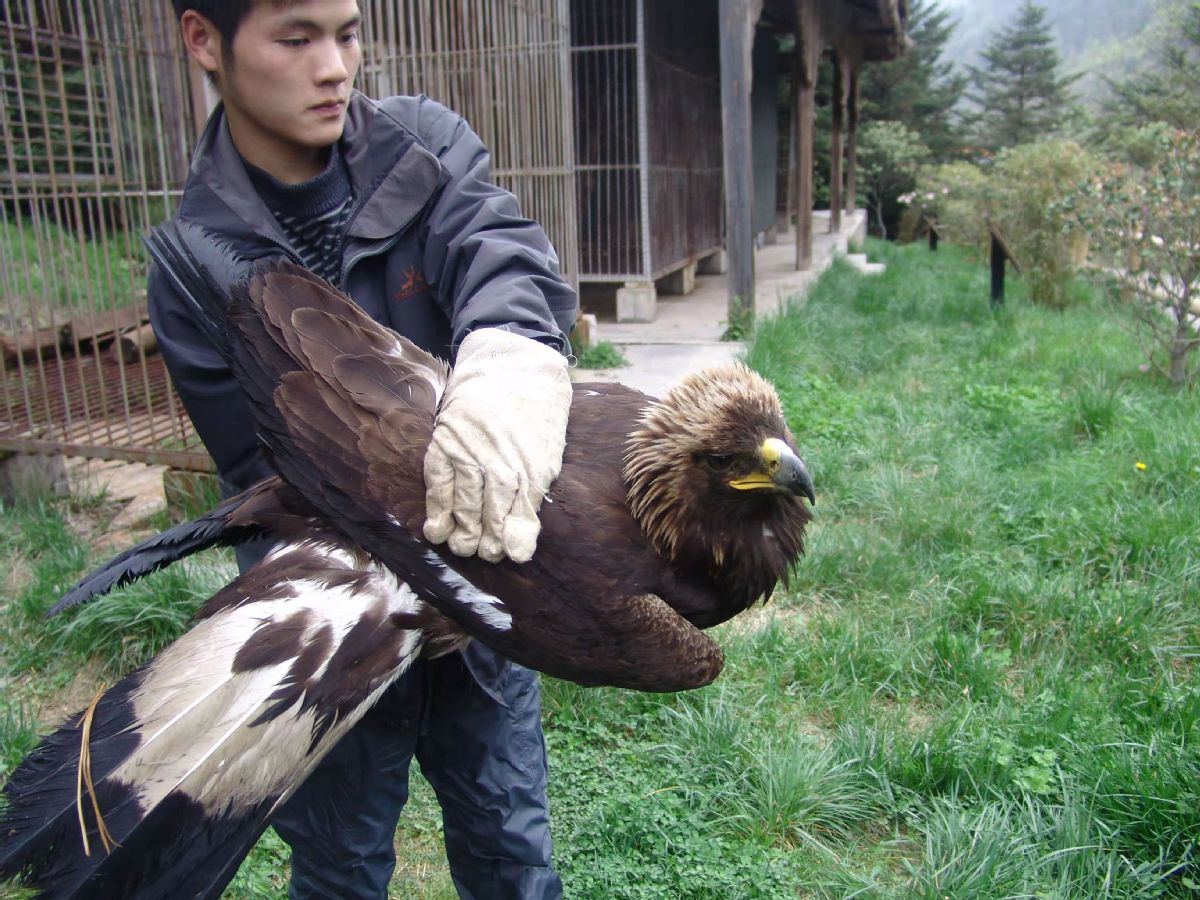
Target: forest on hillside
1109	37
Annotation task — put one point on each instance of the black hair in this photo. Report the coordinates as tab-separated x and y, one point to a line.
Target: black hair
225	15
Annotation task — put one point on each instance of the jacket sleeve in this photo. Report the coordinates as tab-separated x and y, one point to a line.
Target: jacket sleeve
493	267
206	386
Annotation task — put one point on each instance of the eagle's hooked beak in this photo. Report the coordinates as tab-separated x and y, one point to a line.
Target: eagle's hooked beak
782	470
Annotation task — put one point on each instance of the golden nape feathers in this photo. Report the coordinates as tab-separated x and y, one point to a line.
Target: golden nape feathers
713	468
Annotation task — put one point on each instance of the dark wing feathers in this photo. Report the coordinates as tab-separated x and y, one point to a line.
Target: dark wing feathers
560	624
379	388
345	410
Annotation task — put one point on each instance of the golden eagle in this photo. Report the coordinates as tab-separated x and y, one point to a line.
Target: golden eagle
668	516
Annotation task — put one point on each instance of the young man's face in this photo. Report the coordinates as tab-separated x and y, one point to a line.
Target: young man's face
286	81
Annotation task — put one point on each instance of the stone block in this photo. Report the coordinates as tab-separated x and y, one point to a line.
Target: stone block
25	474
587	332
858	233
637	302
716	263
681	281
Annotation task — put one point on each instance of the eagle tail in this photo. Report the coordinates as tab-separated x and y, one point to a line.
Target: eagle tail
226	525
165	783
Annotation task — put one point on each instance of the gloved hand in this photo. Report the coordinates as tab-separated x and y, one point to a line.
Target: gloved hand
497	445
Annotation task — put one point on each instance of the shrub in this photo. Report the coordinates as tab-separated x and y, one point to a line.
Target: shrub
1025	197
953	195
1022	194
889	154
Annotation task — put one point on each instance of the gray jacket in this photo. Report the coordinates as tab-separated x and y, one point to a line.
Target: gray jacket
432	249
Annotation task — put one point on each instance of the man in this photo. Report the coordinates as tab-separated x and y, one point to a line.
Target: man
392	201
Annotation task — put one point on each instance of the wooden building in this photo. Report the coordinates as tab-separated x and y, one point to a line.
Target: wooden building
678	130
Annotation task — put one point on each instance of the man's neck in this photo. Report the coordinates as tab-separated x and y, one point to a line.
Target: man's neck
289	163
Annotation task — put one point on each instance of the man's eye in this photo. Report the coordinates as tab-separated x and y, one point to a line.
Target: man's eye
294	42
350	37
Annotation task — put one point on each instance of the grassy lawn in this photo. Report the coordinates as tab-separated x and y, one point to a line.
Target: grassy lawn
981	681
86	275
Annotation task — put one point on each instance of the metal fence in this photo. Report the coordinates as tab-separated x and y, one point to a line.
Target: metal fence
95	125
648	135
98	115
502	64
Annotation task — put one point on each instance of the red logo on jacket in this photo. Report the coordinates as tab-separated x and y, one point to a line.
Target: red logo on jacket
414	283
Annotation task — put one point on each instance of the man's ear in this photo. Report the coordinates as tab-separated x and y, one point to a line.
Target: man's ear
202	40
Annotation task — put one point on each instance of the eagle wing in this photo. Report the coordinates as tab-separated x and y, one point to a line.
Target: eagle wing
184	761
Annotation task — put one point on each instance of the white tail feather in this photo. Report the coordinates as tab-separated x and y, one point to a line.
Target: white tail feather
199	729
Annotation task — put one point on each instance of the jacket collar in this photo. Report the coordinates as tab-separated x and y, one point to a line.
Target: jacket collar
393	175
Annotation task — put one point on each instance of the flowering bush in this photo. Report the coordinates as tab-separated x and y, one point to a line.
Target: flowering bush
1021	191
1144	228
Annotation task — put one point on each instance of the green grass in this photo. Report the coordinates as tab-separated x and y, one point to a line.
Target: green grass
86	275
603	355
981	683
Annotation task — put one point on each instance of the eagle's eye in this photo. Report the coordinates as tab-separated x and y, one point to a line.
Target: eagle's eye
718	462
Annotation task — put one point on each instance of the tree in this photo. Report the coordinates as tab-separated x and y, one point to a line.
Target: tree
1019	91
890	154
1170	90
918	89
1144	224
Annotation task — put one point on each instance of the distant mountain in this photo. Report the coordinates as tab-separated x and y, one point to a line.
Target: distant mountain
1109	37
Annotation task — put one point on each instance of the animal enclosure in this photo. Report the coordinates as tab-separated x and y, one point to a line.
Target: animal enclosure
99	110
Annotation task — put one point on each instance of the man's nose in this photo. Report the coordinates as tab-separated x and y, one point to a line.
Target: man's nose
331	62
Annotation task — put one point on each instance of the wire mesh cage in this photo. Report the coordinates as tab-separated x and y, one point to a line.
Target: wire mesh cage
94	122
99	111
647	135
503	66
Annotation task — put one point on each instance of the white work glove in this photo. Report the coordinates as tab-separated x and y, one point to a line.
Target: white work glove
497	445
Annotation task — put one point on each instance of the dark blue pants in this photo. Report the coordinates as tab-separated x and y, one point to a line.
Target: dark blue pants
483	753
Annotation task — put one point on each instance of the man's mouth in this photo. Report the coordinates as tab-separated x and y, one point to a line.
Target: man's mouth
333	106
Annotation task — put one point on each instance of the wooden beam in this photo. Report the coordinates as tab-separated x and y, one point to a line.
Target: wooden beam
789	203
738	20
852	141
1000	252
204	96
804	81
998	257
836	147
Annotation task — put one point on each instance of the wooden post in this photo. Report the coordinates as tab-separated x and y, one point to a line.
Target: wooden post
789	203
204	96
836	150
1000	253
738	20
804	80
852	140
998	257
